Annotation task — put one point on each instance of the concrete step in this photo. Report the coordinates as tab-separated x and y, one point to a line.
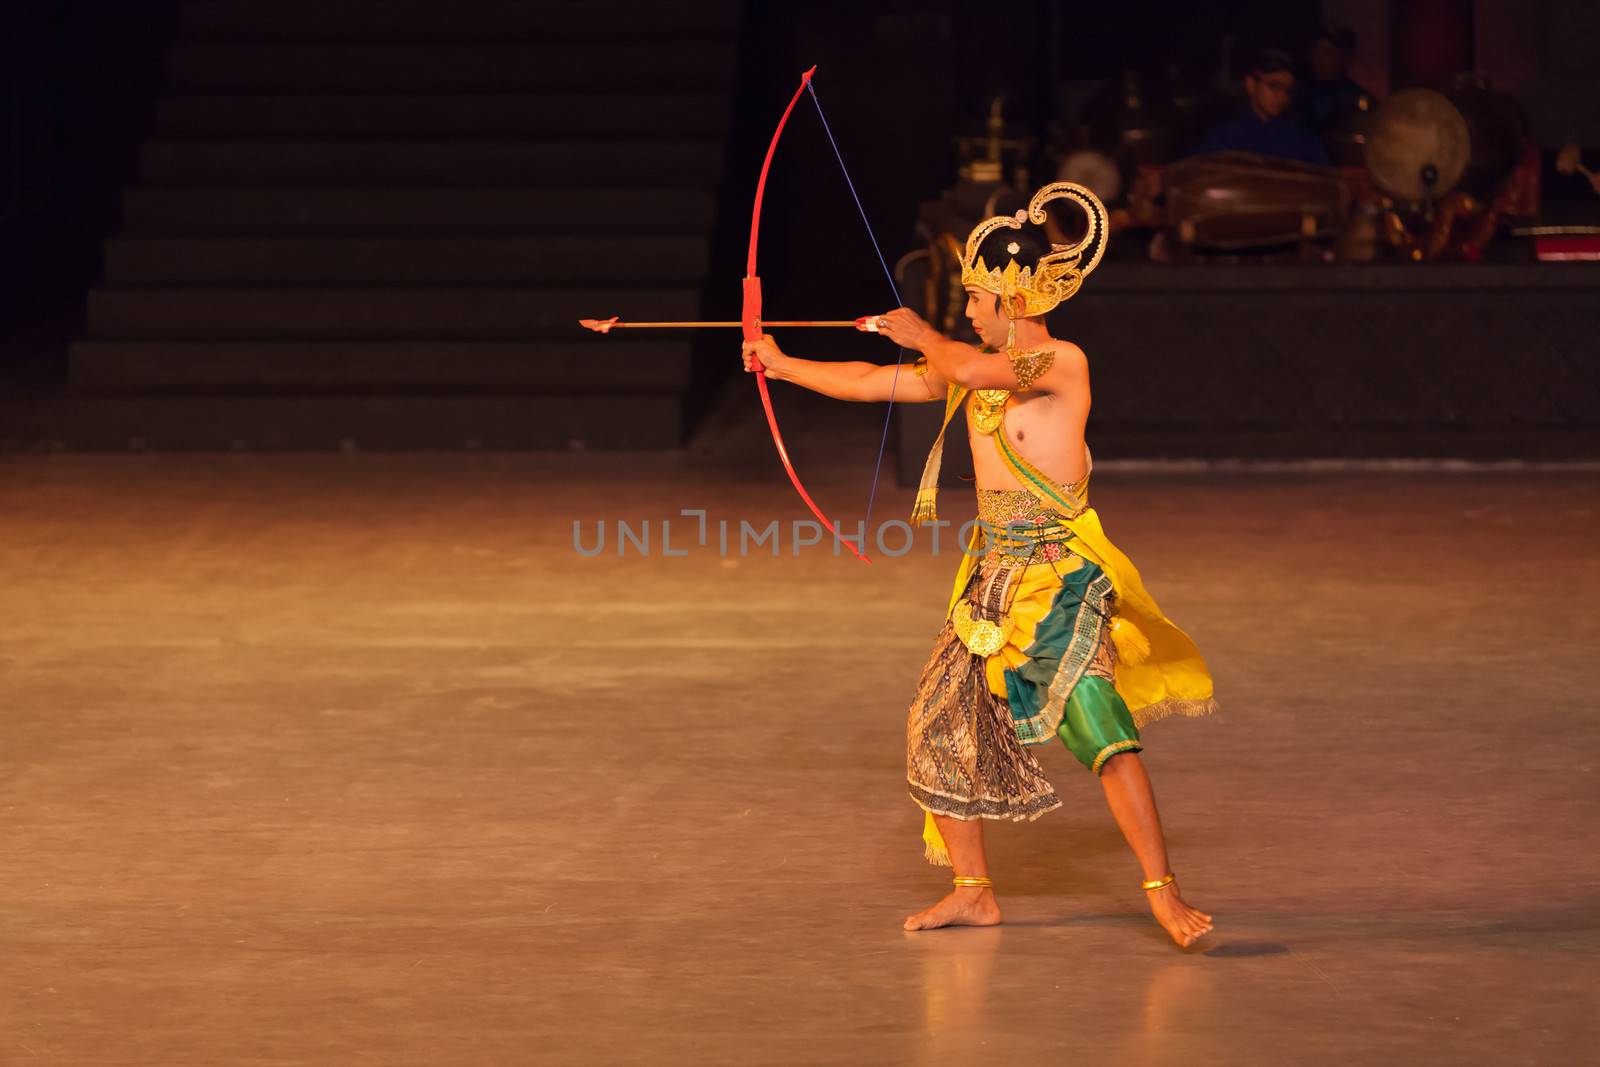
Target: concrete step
324	422
455	211
331	314
548	114
379	68
356	260
611	164
456	21
599	364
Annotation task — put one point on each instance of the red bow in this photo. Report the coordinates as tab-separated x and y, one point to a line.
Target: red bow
751	319
751	323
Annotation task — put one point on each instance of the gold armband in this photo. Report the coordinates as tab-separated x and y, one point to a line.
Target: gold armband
1028	366
920	366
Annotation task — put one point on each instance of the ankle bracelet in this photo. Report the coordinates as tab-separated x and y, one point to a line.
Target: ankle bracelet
1158	883
972	881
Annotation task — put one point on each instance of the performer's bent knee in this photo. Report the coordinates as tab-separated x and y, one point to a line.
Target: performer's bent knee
1096	724
1120	755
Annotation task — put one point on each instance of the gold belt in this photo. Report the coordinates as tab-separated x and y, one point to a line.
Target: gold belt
1022	544
1025	535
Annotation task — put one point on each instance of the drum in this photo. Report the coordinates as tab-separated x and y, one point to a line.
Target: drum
1419	146
1238	200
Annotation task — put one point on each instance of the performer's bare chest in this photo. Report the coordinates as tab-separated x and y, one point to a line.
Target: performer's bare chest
1037	425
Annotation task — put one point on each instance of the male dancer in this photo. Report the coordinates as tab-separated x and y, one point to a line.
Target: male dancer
1050	632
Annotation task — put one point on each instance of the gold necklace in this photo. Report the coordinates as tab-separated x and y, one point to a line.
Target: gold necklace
988	409
989	405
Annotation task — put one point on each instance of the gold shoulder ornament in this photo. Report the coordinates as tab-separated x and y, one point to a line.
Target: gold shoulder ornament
1028	366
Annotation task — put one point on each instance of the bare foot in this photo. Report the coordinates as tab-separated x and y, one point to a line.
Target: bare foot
1185	924
965	906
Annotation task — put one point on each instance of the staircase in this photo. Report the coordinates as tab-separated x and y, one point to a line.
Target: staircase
374	224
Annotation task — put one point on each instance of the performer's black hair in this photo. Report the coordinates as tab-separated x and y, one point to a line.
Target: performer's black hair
1031	242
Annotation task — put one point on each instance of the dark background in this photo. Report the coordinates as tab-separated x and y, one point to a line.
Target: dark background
899	81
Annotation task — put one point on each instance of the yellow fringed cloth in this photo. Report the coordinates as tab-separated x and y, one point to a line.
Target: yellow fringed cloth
1159	671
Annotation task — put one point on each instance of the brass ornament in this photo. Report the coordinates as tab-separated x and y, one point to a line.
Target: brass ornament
1028	366
988	409
981	636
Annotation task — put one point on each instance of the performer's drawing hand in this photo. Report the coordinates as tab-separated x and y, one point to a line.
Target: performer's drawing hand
906	328
764	353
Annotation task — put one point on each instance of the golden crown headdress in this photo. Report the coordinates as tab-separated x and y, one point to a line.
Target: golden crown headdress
1029	291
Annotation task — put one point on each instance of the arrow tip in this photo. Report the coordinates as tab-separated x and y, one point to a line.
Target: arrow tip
599	325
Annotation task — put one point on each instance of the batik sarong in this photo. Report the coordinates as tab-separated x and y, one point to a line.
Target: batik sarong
963	758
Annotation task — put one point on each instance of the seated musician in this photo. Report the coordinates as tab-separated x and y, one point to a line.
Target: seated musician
1330	94
1267	125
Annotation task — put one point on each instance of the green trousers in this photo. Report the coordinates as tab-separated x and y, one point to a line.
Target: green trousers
1096	724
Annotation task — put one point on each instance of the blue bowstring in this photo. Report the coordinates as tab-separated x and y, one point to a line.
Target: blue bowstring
894	383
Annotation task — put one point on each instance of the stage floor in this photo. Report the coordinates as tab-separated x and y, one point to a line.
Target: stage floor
353	759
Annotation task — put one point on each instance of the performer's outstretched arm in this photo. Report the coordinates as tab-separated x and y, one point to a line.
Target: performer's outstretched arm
954	361
846	381
1056	367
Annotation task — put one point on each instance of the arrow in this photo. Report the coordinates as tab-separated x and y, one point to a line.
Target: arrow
866	323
